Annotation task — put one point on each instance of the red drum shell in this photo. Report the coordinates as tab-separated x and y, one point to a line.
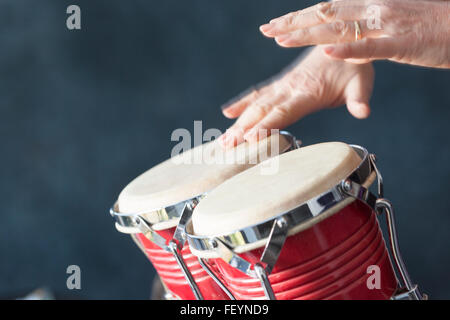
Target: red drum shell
327	261
171	274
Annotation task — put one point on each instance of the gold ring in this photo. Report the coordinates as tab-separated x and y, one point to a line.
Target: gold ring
358	33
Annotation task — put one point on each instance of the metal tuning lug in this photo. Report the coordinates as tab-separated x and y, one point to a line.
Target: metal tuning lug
147	230
275	243
265	283
180	231
208	270
412	291
173	248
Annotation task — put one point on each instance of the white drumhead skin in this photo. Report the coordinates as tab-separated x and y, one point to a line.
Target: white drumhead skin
176	180
252	197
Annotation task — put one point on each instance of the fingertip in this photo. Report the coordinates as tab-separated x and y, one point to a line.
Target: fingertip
282	41
328	50
359	110
228	112
333	52
282	38
231	138
266	28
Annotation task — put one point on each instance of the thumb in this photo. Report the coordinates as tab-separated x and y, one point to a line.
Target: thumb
358	92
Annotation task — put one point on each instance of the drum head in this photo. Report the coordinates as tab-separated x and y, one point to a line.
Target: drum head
252	197
193	173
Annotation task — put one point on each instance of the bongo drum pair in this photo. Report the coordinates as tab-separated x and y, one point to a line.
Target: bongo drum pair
152	206
307	231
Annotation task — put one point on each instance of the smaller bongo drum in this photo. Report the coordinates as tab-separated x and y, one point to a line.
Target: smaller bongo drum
310	231
152	206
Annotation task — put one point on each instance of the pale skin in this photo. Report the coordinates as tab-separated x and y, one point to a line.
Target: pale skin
338	70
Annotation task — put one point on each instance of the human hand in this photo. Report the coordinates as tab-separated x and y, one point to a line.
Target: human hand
315	83
407	31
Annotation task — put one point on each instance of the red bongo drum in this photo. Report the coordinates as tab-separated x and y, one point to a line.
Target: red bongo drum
310	231
152	206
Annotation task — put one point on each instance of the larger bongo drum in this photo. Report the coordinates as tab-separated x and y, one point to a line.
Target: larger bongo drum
152	206
310	231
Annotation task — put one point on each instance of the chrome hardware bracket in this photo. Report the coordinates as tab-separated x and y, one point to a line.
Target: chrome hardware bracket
277	237
357	191
295	143
373	160
383	205
227	254
410	291
269	257
170	213
409	295
173	248
148	232
179	234
205	267
263	277
177	243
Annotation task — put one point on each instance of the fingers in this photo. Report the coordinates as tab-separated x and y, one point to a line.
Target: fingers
237	105
281	116
234	108
275	119
322	13
358	92
232	137
256	111
367	49
336	32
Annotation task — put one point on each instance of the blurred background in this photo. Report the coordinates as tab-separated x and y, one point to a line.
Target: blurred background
84	112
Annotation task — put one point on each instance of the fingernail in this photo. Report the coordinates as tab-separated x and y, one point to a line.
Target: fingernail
224	106
227	104
282	38
266	27
328	50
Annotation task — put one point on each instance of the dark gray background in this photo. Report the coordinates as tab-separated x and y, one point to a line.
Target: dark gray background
84	112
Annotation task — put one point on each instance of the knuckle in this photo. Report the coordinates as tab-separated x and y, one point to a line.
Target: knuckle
302	33
290	20
259	109
281	111
281	91
340	28
325	12
253	94
306	83
287	21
